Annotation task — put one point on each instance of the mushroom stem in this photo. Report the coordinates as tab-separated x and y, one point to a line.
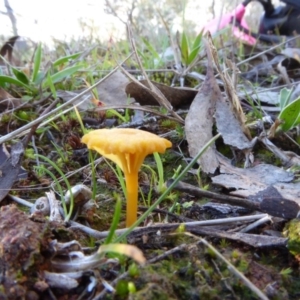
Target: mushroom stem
132	197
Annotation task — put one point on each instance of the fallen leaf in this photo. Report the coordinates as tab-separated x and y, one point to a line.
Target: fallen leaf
7	49
111	92
229	115
253	240
176	96
252	179
10	169
7	101
259	94
200	119
83	103
128	250
229	126
292	53
249	182
272	202
17	51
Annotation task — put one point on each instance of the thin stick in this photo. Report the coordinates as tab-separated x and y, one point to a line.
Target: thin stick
165	227
192	190
233	269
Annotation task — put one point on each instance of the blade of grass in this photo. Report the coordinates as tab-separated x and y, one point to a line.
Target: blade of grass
115	221
66	59
63	176
197	45
51	85
7	79
20	76
64	73
184	48
37	63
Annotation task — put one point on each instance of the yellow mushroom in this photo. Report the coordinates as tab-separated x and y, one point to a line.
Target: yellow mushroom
127	148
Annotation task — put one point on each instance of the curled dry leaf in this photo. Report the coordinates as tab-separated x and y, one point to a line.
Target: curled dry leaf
7	101
7	49
10	168
200	119
17	51
210	103
176	96
229	115
292	53
128	250
229	126
249	182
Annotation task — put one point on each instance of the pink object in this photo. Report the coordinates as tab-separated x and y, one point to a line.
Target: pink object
238	14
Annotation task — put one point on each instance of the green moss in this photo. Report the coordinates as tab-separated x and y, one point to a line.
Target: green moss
292	231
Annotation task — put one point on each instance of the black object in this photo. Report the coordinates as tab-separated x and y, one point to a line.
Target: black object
282	20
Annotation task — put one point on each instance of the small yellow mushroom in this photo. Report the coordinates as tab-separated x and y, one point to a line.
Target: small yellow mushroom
127	148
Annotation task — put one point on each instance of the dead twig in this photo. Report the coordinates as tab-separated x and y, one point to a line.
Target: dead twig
154	91
139	231
192	190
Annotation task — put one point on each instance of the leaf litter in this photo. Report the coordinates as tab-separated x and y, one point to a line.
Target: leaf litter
270	189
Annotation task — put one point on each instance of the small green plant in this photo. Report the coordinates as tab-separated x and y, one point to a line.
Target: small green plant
187	205
177	172
289	111
39	169
256	110
160	187
224	243
63	155
39	80
67	210
286	272
133	270
147	202
115	221
189	49
91	155
153	60
113	112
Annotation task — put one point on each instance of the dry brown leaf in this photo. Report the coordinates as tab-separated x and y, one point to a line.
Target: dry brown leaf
10	168
252	179
128	250
292	53
229	126
7	50
230	116
249	182
7	101
260	95
199	120
253	240
111	92
83	103
177	96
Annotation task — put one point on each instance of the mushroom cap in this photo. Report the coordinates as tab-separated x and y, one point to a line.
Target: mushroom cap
127	147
